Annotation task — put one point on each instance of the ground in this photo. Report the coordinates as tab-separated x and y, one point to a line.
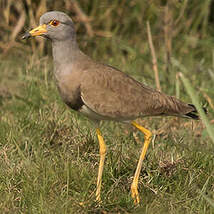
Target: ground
49	155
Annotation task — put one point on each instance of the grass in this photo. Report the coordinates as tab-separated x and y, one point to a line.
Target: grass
49	155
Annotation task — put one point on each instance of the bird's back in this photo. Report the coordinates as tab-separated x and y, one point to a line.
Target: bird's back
113	94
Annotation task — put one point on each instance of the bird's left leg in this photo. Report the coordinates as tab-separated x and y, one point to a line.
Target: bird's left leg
101	164
147	139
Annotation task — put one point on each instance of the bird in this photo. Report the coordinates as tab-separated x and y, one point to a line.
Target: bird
102	92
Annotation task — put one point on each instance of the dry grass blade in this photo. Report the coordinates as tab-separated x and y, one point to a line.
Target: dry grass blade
168	35
6	11
209	100
21	21
31	13
42	8
82	17
154	59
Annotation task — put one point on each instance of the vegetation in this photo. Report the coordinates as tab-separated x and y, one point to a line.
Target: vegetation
49	154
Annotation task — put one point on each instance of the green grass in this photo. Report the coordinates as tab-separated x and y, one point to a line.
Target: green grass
49	155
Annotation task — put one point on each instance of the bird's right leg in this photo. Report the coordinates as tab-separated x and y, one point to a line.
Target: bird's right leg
147	137
101	164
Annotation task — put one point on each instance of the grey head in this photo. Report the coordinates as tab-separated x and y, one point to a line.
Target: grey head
54	25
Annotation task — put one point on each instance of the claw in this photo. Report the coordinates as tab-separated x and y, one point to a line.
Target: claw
98	198
135	194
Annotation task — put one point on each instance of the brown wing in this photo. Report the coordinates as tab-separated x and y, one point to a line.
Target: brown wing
113	94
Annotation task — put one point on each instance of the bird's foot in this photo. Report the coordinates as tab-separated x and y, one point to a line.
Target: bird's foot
98	198
135	194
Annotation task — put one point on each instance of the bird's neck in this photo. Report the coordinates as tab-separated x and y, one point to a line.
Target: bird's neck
65	53
68	58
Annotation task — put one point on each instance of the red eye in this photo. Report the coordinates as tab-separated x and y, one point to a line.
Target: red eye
54	23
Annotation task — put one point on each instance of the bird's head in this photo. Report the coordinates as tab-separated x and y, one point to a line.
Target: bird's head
54	25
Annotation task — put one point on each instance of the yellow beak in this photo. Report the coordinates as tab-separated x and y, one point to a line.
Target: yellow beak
41	29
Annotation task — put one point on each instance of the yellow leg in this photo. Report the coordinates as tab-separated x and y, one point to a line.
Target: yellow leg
102	159
134	185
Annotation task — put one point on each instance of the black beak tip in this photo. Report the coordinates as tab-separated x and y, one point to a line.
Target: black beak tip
26	35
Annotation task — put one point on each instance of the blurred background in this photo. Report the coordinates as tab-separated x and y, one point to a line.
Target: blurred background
49	156
116	32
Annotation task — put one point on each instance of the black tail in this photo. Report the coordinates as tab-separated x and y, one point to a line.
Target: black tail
194	114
